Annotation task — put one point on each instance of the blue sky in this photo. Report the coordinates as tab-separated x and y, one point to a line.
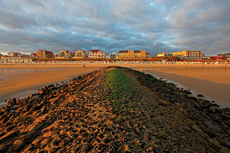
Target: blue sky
112	25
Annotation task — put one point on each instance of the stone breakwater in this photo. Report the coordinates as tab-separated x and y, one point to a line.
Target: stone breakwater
114	110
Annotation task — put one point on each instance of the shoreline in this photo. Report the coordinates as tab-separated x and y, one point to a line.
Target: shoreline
22	82
221	103
213	87
161	70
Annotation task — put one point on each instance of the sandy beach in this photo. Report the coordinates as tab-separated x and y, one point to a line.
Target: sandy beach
22	84
211	82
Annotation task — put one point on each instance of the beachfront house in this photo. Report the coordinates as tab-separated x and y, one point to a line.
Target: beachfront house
14	54
163	54
80	54
45	54
96	53
131	54
148	55
113	55
188	54
225	56
33	55
64	54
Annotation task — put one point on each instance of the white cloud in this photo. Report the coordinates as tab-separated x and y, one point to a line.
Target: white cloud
153	25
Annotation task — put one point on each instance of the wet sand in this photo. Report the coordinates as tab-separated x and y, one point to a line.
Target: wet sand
212	81
22	84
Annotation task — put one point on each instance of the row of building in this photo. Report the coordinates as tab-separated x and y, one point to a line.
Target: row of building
63	54
123	54
192	54
93	53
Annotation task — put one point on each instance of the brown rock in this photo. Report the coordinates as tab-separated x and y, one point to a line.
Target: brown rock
27	107
9	135
36	107
210	132
44	109
3	148
17	145
41	91
11	101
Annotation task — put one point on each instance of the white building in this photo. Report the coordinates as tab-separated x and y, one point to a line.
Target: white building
113	55
96	53
15	54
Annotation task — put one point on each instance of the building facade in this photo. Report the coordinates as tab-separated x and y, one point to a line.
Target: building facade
216	58
63	54
224	55
33	55
80	54
188	54
45	54
163	54
15	54
96	53
113	55
131	54
148	55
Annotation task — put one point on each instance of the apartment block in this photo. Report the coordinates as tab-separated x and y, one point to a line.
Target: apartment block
80	54
15	54
64	54
45	54
96	53
224	55
132	54
188	54
163	54
33	55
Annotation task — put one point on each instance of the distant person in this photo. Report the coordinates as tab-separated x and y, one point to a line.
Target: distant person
83	66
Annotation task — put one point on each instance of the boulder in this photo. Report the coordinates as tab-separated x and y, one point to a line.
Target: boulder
11	101
8	135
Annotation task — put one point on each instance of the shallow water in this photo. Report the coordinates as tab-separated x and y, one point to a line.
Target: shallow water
2	104
6	74
176	68
7	71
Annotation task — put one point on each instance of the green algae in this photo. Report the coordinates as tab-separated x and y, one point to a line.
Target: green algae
122	89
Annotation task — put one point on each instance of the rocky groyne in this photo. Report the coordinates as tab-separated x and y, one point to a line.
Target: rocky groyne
113	110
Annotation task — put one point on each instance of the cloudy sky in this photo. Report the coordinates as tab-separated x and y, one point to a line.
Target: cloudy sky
112	25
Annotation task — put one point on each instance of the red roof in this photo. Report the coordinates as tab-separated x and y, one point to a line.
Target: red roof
83	51
94	50
49	52
216	57
147	53
34	54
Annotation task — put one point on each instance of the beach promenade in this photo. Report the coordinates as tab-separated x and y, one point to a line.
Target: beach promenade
212	81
